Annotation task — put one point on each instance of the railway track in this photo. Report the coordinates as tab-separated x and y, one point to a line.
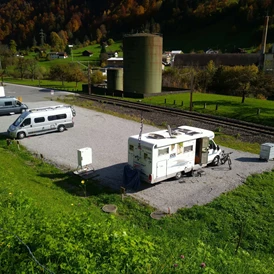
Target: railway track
206	118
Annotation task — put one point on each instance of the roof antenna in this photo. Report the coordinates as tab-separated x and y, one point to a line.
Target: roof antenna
169	131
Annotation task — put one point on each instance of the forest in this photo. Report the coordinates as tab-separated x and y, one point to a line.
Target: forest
34	23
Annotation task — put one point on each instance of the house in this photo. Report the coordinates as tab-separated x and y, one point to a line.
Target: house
226	59
112	54
57	55
115	62
87	53
173	52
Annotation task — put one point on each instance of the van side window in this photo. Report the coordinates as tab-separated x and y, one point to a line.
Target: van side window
18	103
39	120
188	149
26	122
57	117
9	103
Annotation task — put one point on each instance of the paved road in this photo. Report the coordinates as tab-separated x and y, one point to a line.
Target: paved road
31	94
107	136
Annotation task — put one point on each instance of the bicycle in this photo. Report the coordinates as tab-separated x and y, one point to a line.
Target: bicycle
225	157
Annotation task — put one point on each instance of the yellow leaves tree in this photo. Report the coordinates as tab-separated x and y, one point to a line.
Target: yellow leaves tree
57	44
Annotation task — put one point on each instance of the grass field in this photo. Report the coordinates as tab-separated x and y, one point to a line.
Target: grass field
252	110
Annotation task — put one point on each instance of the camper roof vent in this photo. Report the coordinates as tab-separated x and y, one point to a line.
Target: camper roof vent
155	136
188	131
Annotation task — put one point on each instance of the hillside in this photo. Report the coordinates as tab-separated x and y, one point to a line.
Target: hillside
185	24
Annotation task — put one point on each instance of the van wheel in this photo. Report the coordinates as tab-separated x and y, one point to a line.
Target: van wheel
21	135
23	110
178	175
216	160
61	128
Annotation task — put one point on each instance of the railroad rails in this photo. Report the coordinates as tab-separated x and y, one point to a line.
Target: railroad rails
205	118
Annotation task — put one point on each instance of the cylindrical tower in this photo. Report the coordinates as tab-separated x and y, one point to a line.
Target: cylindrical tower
115	79
142	54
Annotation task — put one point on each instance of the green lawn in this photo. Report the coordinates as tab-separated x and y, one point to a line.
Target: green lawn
228	106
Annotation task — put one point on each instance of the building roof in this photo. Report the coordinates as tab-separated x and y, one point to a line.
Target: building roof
115	59
227	59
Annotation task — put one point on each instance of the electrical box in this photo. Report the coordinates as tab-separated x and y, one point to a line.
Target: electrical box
84	156
267	151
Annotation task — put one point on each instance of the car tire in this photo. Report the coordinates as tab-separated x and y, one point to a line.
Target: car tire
178	175
21	135
61	128
216	161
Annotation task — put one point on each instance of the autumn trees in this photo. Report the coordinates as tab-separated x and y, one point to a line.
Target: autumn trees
70	72
240	81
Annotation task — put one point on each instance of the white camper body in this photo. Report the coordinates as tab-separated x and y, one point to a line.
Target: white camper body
42	120
170	153
2	91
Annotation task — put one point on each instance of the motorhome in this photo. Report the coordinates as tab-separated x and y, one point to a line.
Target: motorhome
171	153
11	105
42	120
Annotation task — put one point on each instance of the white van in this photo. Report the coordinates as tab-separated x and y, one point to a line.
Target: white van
171	153
11	105
42	120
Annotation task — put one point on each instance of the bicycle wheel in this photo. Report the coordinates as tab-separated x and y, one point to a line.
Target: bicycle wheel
229	163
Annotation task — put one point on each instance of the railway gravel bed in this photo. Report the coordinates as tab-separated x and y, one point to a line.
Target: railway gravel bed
107	136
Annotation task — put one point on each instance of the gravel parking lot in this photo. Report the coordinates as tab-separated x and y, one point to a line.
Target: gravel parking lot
107	136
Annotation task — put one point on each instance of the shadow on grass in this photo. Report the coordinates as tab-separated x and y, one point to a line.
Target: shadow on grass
95	182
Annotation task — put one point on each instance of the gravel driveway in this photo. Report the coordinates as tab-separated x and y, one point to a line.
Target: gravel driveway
107	136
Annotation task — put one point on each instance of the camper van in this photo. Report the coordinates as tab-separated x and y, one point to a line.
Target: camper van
171	153
42	120
11	105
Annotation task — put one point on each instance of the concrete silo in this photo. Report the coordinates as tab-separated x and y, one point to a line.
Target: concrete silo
142	55
115	79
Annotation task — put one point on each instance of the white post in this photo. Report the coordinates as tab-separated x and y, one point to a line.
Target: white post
71	46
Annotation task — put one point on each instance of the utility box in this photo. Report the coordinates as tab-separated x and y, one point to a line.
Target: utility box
84	156
267	151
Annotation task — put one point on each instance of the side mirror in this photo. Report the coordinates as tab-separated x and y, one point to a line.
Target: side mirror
218	147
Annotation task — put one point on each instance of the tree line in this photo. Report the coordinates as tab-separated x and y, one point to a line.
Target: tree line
34	23
241	81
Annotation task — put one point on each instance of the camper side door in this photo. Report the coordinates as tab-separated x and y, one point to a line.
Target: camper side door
205	144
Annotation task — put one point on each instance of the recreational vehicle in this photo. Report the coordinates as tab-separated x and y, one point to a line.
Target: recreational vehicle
42	120
171	153
10	105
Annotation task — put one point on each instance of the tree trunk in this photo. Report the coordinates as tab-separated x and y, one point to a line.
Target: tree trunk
243	97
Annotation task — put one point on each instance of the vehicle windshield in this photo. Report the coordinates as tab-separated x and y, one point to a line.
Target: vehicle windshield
20	119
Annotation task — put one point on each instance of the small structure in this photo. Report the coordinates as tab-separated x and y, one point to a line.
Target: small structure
87	53
57	55
115	62
112	54
227	59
